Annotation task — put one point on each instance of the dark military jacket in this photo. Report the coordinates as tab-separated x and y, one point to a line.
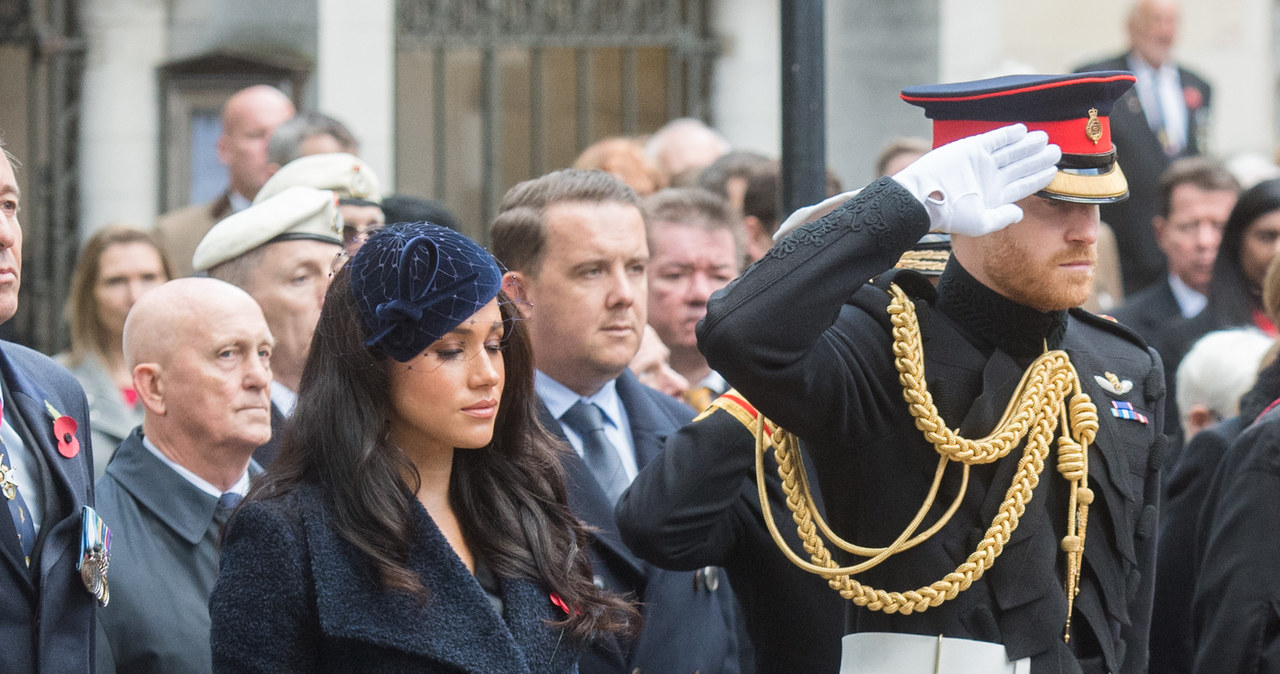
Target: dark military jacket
783	335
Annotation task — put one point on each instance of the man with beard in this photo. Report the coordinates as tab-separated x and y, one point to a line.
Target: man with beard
985	566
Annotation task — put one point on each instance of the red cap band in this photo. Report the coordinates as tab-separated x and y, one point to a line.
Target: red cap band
1069	135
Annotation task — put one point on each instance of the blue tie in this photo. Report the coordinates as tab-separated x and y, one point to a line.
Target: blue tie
587	420
17	506
226	503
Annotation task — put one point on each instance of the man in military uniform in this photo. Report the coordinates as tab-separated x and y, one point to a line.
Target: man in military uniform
1038	551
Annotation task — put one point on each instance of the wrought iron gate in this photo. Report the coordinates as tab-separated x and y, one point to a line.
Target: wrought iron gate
537	67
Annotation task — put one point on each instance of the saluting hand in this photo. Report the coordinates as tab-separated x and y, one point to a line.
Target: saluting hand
969	187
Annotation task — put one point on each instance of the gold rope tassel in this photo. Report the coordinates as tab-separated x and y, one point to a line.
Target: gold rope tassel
1033	413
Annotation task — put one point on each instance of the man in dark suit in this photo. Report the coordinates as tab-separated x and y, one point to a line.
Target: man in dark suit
199	350
281	251
1196	197
248	118
574	242
1164	117
46	472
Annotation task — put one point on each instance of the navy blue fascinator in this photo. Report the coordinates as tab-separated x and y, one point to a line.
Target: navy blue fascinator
415	282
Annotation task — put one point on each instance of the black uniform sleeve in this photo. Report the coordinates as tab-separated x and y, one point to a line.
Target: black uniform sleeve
679	511
771	330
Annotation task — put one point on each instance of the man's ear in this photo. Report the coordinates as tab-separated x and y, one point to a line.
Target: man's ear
515	285
1199	417
147	382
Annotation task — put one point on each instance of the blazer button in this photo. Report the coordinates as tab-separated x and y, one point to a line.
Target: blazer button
635	671
708	577
713	578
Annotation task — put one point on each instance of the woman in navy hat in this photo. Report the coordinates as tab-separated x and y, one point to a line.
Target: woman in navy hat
416	517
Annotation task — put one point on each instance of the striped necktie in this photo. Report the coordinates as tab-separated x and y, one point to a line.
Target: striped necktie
17	505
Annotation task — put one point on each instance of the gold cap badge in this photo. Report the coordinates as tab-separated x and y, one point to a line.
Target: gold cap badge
1093	127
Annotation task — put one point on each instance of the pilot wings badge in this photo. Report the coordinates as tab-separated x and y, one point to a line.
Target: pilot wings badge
1113	384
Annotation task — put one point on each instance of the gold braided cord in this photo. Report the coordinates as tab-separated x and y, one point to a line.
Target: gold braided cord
1034	412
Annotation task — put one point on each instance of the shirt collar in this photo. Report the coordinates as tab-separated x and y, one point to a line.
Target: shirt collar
283	398
1190	301
241	486
559	398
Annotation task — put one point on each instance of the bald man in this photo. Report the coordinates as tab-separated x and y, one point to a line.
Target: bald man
248	119
200	353
1165	116
683	147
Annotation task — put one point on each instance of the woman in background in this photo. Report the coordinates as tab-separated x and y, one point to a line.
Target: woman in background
116	265
416	518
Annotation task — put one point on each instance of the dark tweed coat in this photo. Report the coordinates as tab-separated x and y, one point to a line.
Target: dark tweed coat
294	596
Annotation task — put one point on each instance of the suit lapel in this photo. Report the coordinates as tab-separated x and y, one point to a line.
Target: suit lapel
646	419
31	402
589	503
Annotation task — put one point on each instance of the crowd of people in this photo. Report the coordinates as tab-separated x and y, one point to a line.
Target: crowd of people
659	426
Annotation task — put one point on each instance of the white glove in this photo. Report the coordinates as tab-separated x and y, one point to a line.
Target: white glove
969	186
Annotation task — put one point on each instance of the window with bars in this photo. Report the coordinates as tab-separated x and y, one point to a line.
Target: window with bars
492	92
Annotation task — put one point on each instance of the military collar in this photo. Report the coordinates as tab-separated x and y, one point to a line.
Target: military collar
989	320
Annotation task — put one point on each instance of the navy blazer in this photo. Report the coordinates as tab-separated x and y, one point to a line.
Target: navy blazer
47	625
1143	159
687	627
294	596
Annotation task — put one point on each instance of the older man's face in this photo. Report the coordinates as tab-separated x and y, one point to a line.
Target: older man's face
216	379
289	284
10	240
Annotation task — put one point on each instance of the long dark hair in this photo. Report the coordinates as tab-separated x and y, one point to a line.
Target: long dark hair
509	496
1232	297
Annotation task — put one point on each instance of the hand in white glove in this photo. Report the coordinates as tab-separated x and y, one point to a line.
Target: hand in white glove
969	186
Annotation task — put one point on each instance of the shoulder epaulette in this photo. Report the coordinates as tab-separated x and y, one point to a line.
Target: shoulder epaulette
737	406
1110	325
916	285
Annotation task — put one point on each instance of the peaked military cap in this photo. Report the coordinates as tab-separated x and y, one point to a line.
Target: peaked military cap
1073	109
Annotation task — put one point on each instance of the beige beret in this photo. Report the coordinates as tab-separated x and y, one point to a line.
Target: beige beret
343	173
296	213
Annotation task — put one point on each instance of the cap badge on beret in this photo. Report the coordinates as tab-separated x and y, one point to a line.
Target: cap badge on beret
360	186
1059	105
415	282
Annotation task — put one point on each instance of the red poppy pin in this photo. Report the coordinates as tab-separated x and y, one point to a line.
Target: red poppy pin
1194	98
558	601
64	431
